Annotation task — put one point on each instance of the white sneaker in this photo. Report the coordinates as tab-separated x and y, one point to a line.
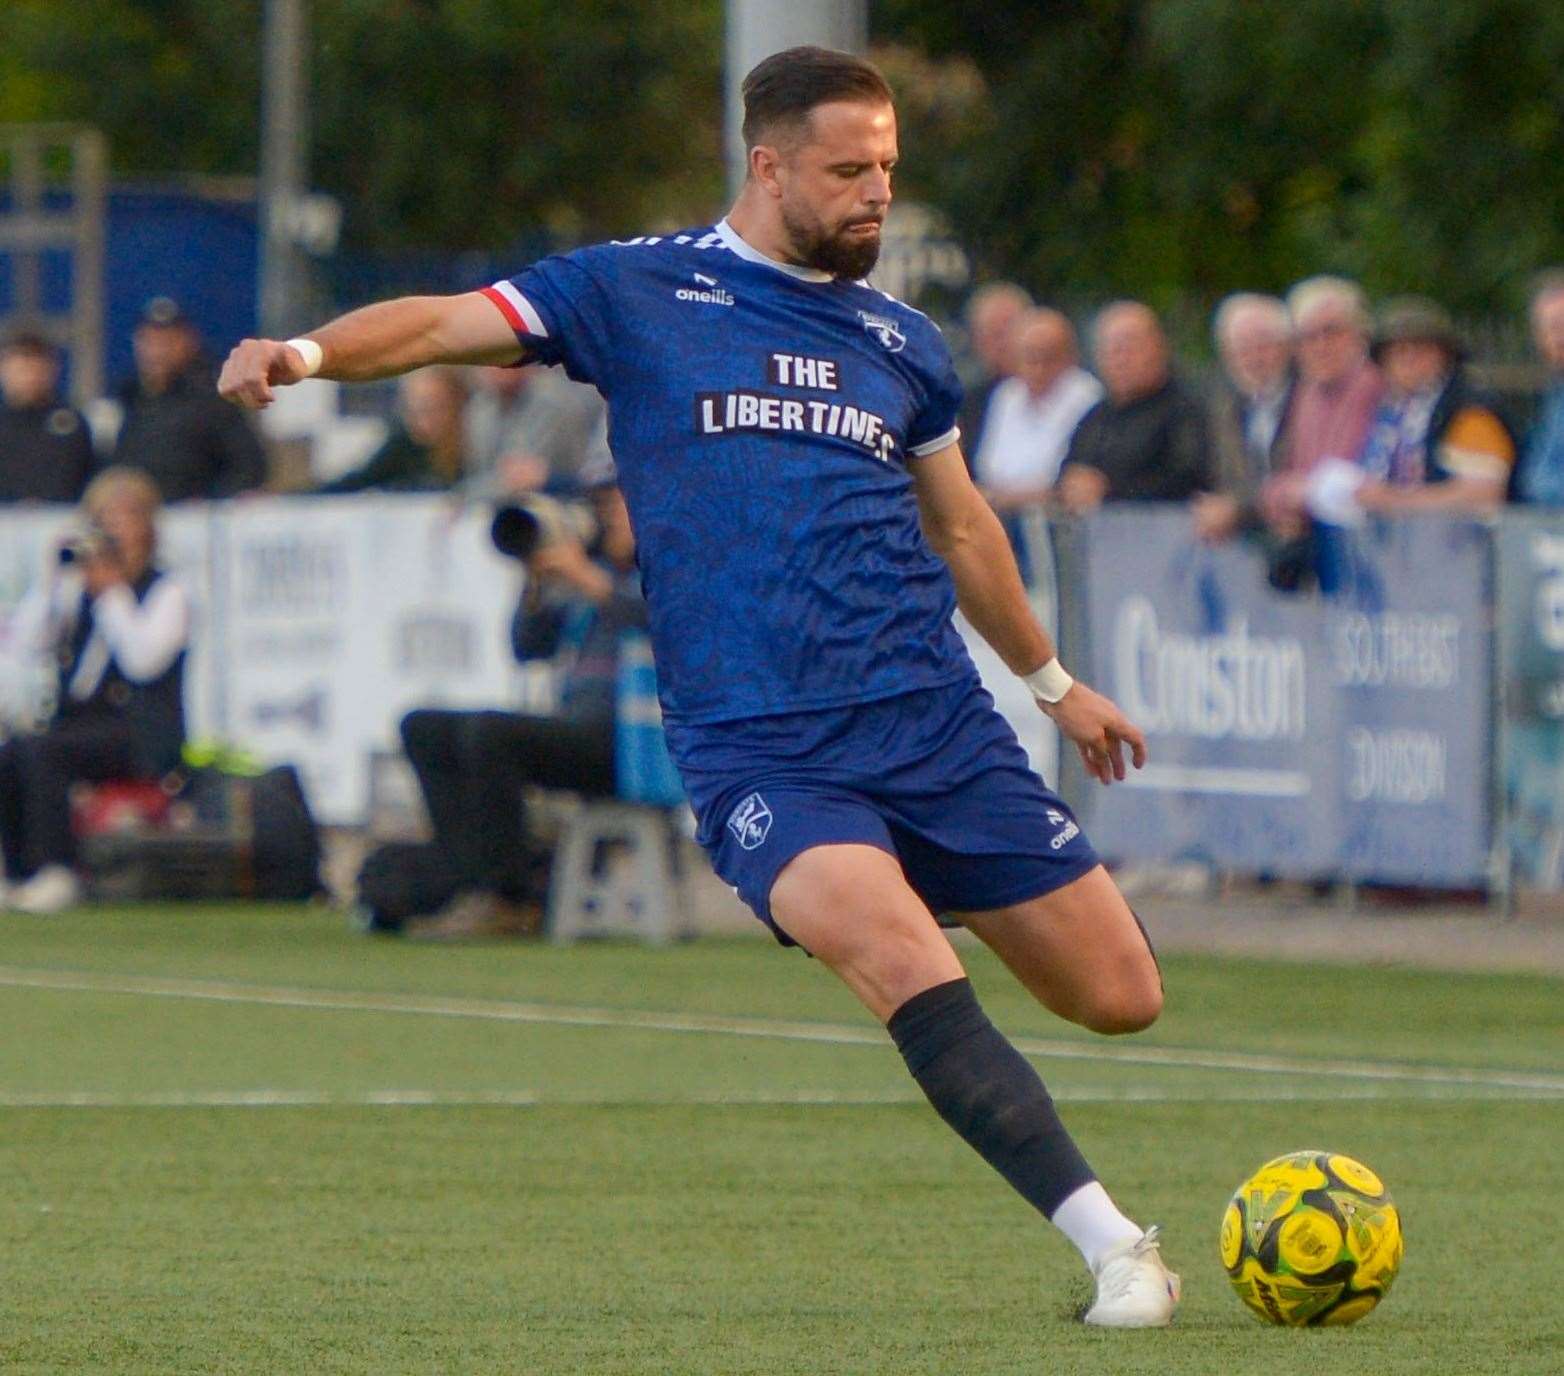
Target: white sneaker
1134	1288
53	889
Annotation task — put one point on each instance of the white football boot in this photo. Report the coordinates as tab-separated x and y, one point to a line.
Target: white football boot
53	889
1135	1289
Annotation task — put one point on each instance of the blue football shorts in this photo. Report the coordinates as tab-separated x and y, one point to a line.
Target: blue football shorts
934	777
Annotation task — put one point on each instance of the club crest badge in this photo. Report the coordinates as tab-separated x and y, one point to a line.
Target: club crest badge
886	332
750	821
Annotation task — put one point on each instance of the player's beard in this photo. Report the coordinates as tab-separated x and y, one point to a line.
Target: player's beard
838	252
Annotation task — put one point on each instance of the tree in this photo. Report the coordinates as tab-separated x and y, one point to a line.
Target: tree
1180	149
444	124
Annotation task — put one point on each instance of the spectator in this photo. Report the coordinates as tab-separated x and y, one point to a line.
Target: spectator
1248	410
1542	477
1033	414
175	427
425	451
994	312
1438	443
45	446
531	429
1336	398
474	767
117	629
1144	441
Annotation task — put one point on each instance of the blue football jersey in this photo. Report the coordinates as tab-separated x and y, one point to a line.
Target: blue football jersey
763	418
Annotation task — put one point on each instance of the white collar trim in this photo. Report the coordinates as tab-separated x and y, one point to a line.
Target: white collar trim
732	239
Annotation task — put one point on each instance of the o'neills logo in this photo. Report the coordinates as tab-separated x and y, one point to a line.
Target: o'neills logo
706	289
1233	684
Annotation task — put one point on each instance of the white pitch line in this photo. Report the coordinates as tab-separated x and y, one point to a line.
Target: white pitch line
718	1024
526	1098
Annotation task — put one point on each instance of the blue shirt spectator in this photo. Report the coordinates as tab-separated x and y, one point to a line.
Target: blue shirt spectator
1542	475
1542	480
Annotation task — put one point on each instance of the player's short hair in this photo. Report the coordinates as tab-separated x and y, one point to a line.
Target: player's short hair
784	88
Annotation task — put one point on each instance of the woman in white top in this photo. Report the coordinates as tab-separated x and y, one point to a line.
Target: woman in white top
116	628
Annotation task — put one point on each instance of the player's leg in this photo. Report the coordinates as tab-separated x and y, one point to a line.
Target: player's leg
988	841
1080	952
851	907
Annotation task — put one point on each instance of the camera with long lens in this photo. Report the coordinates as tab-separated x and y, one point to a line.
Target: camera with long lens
521	528
85	543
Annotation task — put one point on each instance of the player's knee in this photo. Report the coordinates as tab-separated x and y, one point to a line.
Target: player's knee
1131	1005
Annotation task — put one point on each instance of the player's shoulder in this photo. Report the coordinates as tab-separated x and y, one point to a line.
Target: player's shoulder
897	325
647	251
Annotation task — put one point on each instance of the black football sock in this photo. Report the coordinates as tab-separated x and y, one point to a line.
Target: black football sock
988	1092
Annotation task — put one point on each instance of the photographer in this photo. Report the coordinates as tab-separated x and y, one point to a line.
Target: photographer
117	628
582	595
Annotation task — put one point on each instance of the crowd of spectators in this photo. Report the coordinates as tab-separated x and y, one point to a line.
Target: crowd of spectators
1321	410
480	433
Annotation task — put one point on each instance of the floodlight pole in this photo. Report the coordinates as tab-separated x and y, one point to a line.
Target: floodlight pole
284	164
758	28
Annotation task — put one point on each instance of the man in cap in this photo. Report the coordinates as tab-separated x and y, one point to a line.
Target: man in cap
176	428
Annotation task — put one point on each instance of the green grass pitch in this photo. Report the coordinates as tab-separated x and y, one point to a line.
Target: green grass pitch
247	1140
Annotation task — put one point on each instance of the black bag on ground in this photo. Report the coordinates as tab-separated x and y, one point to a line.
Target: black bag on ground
404	879
268	818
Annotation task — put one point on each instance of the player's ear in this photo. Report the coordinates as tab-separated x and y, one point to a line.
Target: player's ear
764	161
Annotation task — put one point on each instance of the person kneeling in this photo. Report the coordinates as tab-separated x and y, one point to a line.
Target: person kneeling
117	628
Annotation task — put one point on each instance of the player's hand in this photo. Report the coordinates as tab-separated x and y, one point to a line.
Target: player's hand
1100	732
254	367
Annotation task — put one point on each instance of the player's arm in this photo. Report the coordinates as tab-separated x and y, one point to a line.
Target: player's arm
382	340
963	530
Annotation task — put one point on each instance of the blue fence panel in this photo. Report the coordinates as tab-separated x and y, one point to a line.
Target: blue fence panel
1222	675
1292	734
1411	657
1531	659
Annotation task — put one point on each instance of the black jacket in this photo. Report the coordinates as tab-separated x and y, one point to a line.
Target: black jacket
153	707
1152	449
45	453
192	442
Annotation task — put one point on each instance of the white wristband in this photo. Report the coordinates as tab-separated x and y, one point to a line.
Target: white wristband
311	352
1050	683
